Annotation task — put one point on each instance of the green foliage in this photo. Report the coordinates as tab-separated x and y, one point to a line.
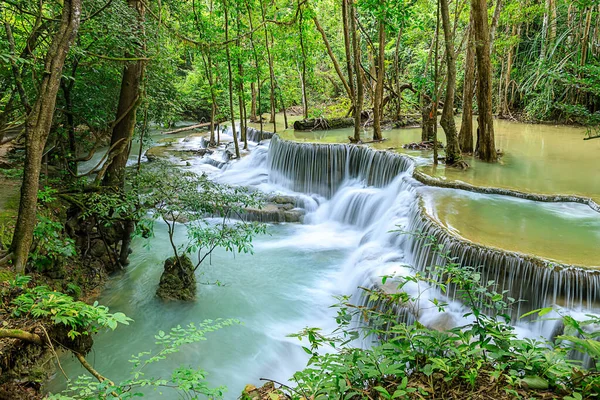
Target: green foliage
59	308
51	247
183	381
183	197
409	360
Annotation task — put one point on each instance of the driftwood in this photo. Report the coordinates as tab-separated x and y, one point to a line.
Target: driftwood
323	124
188	128
591	137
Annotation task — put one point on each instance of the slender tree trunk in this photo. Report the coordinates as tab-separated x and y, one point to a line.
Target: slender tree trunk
486	148
545	25
447	121
428	116
465	136
129	100
347	47
332	56
586	36
230	79
271	70
257	66
507	76
359	89
213	97
378	100
303	80
240	84
37	129
253	117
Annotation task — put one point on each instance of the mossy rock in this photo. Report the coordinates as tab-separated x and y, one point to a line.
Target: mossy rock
177	282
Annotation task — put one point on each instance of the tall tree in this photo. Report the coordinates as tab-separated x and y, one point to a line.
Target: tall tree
130	98
453	154
37	129
465	137
486	147
359	88
380	71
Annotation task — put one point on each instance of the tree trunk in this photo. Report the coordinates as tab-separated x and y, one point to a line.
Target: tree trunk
378	100
37	129
303	80
486	148
465	137
359	92
347	47
447	121
213	98
129	99
253	117
257	66
505	109
271	70
240	84
230	79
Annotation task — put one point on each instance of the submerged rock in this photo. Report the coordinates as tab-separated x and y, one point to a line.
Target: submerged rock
177	282
166	152
274	213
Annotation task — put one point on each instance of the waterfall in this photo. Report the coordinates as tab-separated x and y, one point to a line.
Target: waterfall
322	169
536	282
375	192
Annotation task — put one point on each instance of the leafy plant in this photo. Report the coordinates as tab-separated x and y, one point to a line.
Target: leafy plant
183	381
50	245
59	308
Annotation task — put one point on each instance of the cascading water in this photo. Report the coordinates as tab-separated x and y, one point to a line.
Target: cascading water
374	191
357	200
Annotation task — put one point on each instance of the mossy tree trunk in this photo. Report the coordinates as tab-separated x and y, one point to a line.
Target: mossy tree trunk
37	129
453	154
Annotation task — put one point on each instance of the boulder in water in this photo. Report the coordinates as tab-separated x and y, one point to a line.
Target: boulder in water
178	281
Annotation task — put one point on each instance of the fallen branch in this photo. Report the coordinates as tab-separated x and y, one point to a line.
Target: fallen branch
591	137
187	128
22	335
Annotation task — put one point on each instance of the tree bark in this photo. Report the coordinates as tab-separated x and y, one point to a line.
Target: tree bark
359	90
378	100
347	47
37	129
447	121
129	100
486	148
230	76
303	80
465	136
271	69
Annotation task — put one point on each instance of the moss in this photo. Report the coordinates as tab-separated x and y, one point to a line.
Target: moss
177	282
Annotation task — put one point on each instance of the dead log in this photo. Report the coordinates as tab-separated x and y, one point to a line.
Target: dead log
188	128
315	124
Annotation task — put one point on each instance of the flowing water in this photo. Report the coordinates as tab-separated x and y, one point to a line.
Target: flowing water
357	200
543	159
